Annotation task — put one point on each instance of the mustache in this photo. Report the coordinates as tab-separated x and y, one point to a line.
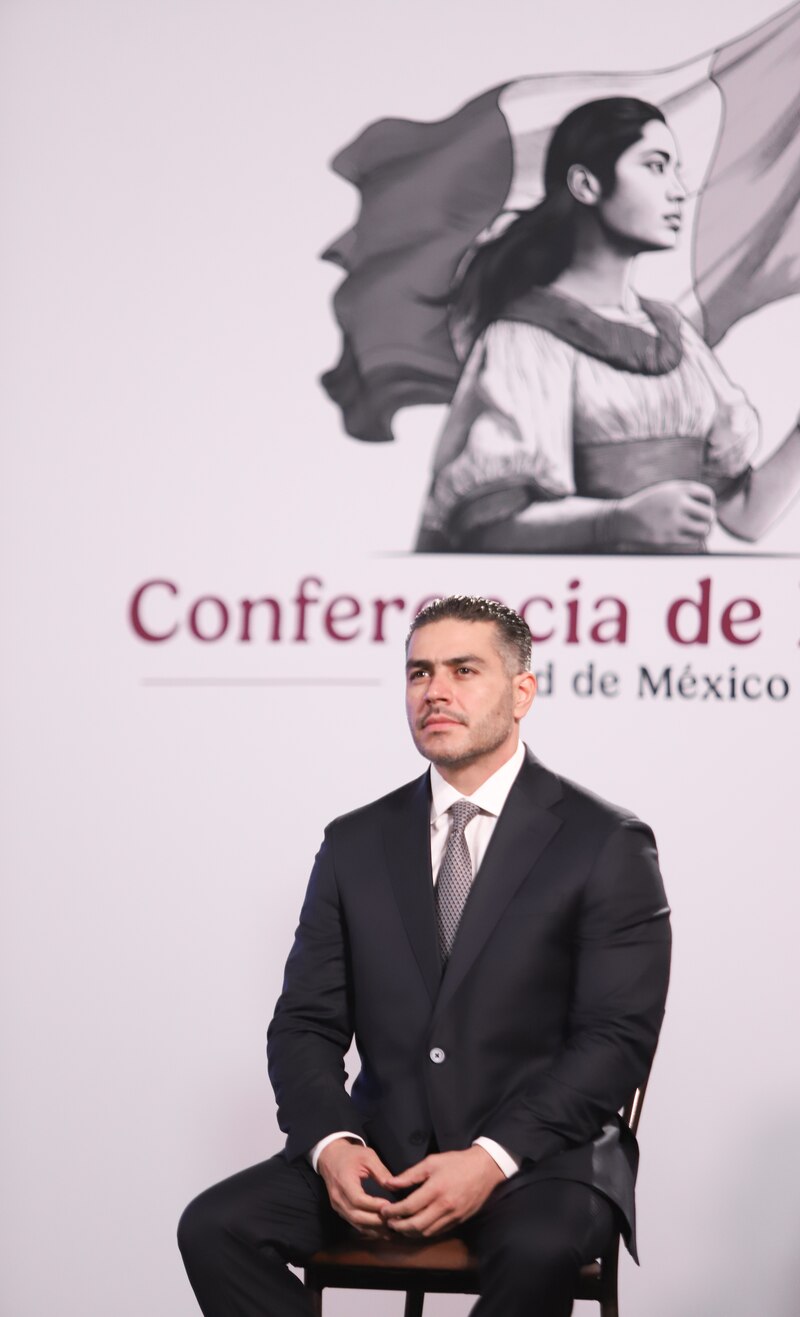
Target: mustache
438	713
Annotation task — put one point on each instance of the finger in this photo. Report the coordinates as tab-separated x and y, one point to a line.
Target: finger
414	1175
367	1233
377	1169
360	1219
448	1221
703	493
355	1196
352	1184
428	1221
408	1206
699	507
696	519
688	539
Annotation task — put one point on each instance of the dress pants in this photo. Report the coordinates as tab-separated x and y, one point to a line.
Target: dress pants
530	1241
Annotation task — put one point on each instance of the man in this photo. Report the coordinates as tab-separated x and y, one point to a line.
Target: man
497	939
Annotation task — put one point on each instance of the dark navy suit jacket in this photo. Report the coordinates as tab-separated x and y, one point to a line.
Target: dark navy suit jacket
547	1014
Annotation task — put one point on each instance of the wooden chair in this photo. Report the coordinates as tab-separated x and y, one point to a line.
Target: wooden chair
444	1266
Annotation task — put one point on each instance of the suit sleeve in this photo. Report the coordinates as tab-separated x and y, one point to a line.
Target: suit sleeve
621	971
312	1027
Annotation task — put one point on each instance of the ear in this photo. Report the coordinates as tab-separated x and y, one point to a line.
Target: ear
524	691
584	185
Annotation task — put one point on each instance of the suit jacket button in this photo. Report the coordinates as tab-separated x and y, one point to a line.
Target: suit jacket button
437	1055
417	1138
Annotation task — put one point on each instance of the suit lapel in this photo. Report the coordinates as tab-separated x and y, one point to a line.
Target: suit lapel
407	841
523	830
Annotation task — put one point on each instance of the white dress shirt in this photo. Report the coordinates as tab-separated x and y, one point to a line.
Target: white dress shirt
491	796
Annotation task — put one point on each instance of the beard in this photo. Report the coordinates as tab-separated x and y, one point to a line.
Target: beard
484	737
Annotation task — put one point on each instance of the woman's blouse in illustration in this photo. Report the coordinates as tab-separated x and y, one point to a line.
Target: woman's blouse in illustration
558	400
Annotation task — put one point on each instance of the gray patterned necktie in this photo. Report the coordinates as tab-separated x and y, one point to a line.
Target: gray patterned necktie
455	877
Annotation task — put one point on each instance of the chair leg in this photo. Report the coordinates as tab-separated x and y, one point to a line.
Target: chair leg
609	1303
414	1302
315	1296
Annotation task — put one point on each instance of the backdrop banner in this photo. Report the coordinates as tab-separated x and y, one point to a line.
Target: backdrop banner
277	370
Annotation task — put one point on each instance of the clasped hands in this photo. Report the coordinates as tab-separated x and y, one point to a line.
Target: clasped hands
450	1188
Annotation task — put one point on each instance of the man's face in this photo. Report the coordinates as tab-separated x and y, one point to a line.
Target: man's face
463	702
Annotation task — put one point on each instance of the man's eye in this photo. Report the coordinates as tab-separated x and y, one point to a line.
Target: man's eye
467	670
420	672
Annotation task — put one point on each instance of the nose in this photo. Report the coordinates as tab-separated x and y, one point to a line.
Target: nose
677	192
438	691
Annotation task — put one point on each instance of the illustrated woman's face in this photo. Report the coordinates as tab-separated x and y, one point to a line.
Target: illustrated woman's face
644	211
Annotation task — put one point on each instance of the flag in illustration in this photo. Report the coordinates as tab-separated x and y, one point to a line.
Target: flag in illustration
430	191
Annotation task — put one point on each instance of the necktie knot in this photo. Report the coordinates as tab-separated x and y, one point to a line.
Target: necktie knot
462	811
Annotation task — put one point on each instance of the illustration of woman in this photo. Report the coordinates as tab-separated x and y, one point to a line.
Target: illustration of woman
587	418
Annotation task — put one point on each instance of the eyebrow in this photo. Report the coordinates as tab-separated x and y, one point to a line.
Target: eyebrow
447	663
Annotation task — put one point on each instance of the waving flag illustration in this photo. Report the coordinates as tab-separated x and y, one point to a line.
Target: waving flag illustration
430	191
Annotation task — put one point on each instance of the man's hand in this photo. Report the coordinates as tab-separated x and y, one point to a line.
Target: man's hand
343	1165
453	1187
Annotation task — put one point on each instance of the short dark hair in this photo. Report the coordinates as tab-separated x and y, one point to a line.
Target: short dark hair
514	633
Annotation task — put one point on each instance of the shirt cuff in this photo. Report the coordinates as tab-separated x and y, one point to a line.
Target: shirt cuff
508	1163
313	1154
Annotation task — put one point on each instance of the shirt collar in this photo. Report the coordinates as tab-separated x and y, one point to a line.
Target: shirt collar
491	796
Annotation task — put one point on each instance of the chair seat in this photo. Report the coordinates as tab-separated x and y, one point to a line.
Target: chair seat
448	1259
449	1254
443	1266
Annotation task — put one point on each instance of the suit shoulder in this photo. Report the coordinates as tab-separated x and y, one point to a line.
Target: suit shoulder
375	811
595	812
